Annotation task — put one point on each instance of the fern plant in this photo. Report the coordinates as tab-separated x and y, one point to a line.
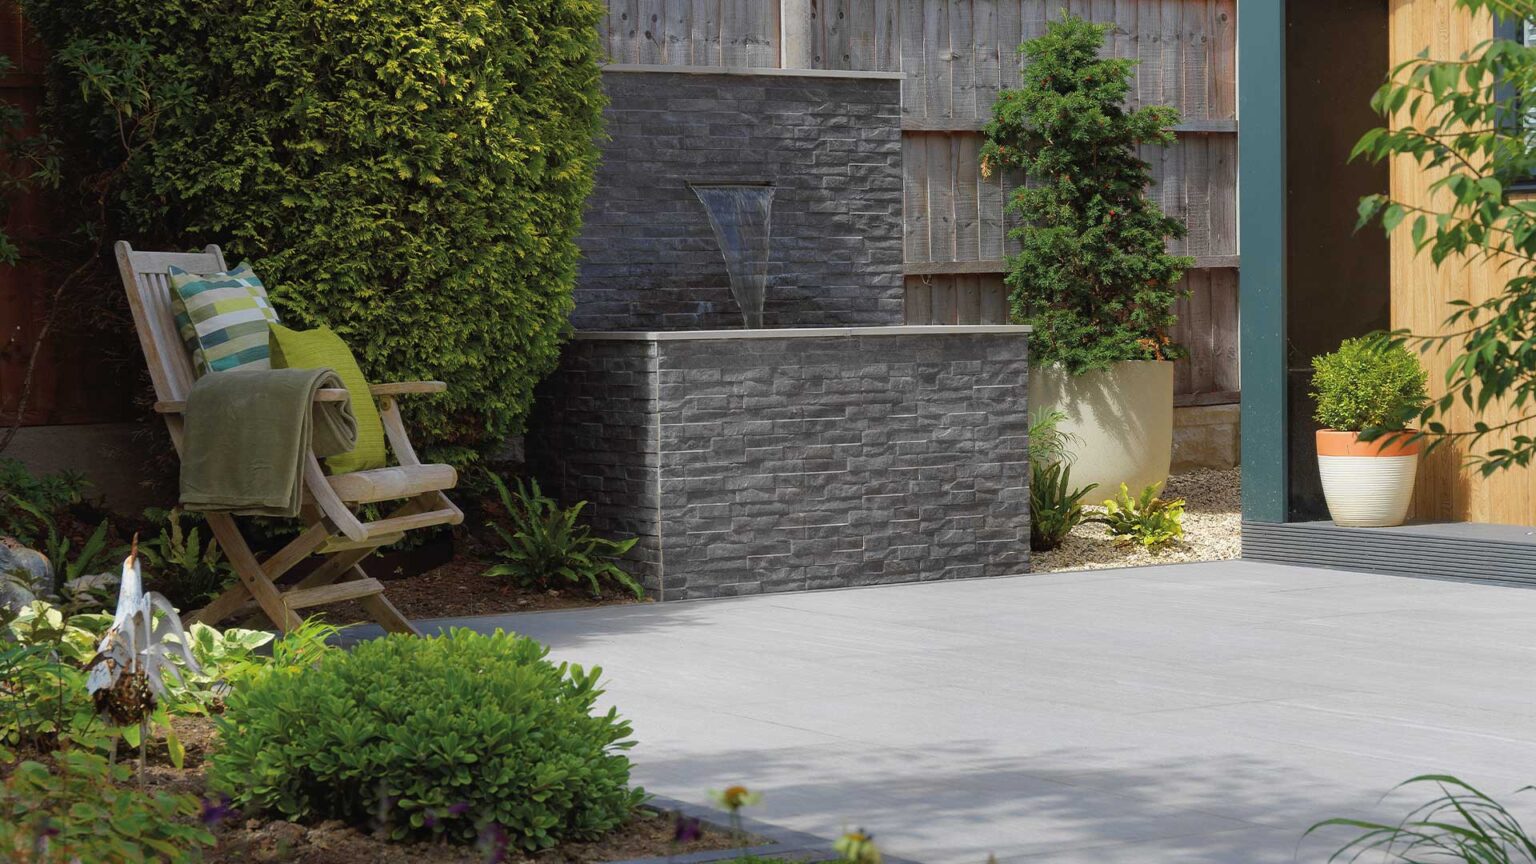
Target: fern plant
70	562
186	570
1148	520
543	543
1055	508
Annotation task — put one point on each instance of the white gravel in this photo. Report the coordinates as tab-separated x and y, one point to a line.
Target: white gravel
1212	530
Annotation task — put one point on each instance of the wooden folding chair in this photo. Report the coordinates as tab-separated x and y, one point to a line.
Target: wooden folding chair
331	528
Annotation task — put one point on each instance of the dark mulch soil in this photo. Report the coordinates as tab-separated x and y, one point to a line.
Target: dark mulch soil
460	588
258	841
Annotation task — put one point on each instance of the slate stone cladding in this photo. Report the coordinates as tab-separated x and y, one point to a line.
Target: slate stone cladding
830	146
791	463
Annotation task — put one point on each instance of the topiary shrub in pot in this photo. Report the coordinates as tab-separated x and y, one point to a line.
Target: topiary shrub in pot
1093	275
1366	392
451	737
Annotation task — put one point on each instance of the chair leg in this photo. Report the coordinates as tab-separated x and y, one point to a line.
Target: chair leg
383	611
237	596
250	572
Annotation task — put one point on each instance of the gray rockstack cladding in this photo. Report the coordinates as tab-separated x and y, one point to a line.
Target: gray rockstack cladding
830	145
782	463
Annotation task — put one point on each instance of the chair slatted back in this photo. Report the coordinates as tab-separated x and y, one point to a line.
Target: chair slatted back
146	278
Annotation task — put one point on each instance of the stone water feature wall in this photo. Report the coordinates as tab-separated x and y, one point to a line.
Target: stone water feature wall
759	461
830	144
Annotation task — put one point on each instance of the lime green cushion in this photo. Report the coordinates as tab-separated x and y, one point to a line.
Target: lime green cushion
222	318
322	348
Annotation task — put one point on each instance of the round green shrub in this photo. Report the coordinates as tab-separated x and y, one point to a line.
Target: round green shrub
1368	384
409	172
431	737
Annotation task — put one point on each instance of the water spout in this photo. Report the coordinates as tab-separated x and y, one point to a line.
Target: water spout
740	215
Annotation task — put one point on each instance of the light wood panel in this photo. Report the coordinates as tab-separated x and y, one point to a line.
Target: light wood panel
1447	489
742	33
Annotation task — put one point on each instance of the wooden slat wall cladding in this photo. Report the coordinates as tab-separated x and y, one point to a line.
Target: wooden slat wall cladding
1447	489
958	55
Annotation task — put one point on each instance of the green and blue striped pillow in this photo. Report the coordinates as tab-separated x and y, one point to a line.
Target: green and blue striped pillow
223	318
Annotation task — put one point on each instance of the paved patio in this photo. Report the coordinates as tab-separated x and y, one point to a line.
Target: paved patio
1192	713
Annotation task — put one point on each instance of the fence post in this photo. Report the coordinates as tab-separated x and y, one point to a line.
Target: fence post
797	34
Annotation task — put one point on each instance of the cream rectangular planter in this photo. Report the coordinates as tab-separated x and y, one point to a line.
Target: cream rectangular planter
1368	484
1120	421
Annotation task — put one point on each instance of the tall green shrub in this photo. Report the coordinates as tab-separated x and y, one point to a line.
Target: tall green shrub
410	172
1093	274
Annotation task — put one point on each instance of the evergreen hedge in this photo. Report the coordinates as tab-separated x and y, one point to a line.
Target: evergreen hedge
409	172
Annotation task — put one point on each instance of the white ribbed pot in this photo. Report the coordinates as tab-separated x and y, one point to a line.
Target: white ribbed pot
1120	421
1368	484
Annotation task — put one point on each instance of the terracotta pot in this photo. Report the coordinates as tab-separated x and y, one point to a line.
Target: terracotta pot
1368	484
1119	420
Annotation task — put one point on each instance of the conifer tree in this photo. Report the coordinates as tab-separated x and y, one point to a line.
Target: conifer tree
1093	274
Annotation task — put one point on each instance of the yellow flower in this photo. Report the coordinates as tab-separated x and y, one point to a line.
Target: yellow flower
857	847
735	797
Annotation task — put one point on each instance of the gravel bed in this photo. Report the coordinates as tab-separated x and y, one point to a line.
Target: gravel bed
1212	530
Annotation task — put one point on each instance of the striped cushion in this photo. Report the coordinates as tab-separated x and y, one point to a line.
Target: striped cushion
222	318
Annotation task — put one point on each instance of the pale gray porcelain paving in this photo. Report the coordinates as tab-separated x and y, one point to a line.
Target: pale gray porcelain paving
1190	714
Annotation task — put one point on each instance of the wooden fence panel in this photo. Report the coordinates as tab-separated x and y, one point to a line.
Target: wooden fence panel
693	32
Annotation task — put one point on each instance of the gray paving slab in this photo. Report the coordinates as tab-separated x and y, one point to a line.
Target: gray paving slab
1198	714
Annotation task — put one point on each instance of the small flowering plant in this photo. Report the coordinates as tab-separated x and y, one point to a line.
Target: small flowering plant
733	798
857	847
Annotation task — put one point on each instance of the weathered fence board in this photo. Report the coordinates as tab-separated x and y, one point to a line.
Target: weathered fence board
693	32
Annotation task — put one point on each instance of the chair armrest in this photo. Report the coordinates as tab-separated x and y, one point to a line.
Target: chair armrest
401	388
325	394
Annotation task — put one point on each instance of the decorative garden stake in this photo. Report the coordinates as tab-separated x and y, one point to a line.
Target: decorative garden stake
134	658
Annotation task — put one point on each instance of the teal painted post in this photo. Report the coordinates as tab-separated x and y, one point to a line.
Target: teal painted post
1261	227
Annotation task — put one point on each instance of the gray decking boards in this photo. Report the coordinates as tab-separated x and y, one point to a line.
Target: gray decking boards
1504	554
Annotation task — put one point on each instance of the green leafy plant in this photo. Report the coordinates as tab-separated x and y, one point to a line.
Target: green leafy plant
1460	824
1368	384
543	544
76	807
1464	121
1055	508
43	701
431	737
69	561
1093	274
1150	521
182	567
1047	443
408	172
50	494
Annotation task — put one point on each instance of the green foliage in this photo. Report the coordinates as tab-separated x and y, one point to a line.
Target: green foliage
1055	508
1047	443
1092	274
179	565
33	162
77	808
70	560
431	737
26	496
1368	384
1148	520
1466	120
1461	824
224	658
43	702
409	172
543	543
